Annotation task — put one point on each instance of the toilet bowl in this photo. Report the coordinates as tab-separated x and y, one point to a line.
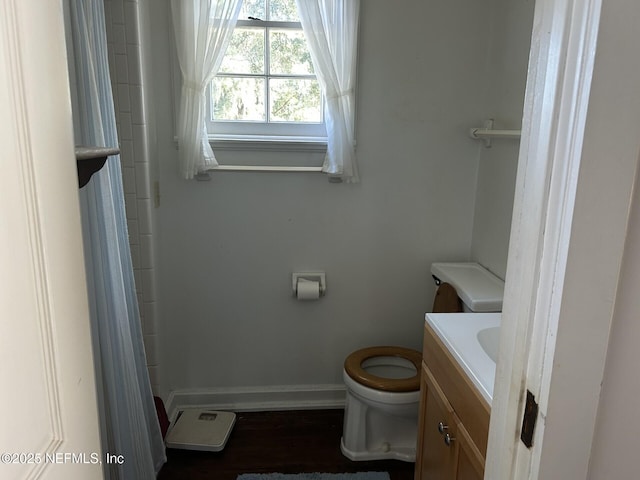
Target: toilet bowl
383	383
381	411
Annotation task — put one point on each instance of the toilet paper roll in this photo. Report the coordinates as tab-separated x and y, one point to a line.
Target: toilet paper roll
307	290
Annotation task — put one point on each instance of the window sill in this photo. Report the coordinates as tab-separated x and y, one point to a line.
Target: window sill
264	143
270	143
251	143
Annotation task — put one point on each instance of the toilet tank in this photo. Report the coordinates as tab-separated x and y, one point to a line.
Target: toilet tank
478	288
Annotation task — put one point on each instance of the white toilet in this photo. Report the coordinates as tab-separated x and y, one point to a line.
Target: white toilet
383	383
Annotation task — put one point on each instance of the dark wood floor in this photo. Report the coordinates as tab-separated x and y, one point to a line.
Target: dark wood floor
285	442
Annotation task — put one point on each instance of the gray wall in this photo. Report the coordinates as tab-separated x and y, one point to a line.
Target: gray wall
617	412
226	248
509	54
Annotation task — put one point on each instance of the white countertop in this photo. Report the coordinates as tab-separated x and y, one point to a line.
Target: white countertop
459	333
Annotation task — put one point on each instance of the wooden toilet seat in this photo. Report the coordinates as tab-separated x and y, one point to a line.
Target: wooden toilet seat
353	367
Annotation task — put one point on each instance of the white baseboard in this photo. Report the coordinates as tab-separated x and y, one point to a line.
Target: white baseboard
255	399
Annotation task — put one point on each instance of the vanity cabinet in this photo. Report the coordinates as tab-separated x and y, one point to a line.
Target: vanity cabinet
454	418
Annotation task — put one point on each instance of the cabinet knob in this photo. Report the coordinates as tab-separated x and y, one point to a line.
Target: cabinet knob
448	440
442	428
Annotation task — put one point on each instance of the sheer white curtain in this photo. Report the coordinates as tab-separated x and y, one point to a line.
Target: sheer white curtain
128	416
202	30
331	30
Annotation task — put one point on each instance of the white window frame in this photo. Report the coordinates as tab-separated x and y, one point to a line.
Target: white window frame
243	134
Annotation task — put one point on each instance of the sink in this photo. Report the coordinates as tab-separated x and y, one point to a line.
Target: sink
489	339
472	339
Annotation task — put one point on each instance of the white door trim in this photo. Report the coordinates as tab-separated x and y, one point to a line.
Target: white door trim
542	211
575	176
46	362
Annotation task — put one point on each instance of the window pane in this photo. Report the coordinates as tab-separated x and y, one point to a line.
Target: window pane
245	53
283	11
295	100
253	8
238	99
289	53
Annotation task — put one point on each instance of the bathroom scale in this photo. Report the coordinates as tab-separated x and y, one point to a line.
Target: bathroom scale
200	429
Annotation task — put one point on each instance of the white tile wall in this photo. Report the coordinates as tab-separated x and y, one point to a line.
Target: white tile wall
126	79
124	101
119	48
126	129
143	188
126	153
122	69
117	13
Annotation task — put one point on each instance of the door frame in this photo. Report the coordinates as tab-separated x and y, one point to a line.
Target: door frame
46	368
577	163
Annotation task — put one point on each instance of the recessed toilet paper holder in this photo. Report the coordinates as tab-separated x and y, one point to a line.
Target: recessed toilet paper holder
319	277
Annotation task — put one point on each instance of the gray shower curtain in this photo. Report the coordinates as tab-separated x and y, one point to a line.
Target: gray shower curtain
129	422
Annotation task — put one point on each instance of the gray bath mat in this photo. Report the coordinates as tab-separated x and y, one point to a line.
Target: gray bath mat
315	476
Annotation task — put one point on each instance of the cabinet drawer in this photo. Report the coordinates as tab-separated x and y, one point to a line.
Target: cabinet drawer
466	401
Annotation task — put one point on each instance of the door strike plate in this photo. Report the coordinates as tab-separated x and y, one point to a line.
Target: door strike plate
529	420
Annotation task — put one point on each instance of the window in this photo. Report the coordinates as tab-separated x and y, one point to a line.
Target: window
266	84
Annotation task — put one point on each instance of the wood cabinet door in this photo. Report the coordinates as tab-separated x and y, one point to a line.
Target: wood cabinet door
469	463
436	459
